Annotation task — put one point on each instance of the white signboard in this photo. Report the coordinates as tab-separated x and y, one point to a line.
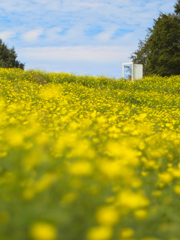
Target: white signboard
132	71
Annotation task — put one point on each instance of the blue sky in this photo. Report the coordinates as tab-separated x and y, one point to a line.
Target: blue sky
92	37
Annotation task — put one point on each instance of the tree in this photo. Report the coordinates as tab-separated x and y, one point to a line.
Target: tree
164	46
160	51
8	57
177	8
140	56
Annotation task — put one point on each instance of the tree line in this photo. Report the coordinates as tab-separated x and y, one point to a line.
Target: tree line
160	51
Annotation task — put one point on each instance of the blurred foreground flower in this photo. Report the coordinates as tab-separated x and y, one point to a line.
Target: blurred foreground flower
43	231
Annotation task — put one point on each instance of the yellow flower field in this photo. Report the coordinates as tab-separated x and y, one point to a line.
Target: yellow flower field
88	158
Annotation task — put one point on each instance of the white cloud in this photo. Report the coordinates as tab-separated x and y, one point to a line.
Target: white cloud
52	34
28	5
87	4
104	36
6	35
88	53
33	35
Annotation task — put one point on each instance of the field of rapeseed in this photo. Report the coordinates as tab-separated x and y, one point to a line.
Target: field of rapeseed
88	158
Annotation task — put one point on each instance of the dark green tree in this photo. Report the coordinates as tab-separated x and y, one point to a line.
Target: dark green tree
160	51
164	46
8	57
177	8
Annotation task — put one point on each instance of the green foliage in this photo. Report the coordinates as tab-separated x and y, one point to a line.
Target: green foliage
160	51
8	57
164	46
177	8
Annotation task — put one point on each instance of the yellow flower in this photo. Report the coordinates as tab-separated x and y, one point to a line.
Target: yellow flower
140	214
110	168
144	174
132	200
177	189
165	177
15	139
43	231
127	154
99	233
82	149
80	168
107	216
176	173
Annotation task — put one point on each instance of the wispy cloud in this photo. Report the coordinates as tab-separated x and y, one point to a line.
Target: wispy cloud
88	4
79	53
83	31
6	35
32	36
